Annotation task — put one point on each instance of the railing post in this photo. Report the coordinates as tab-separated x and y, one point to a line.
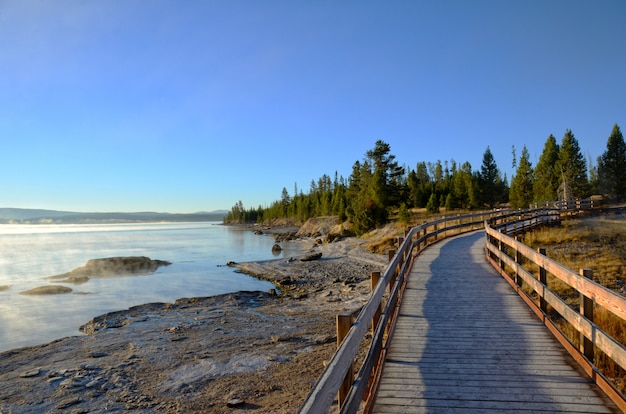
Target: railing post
586	309
375	279
501	249
400	241
518	261
344	323
390	254
543	304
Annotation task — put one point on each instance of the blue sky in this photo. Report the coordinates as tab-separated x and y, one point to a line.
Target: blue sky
184	106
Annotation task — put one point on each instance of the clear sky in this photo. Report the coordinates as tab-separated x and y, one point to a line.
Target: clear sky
184	106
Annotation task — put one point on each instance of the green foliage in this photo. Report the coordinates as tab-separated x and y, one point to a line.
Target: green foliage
612	166
521	191
493	187
546	175
374	187
432	206
572	169
404	214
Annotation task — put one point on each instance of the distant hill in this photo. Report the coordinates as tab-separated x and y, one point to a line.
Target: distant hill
38	216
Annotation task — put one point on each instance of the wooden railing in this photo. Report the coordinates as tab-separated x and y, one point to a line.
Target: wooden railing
569	205
512	259
337	382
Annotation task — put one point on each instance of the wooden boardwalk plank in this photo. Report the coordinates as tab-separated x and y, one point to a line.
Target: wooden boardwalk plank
466	343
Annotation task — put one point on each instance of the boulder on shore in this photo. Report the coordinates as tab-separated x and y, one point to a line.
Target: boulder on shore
311	257
111	267
47	290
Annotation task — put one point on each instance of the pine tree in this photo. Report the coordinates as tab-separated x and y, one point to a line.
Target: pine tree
386	175
572	168
521	192
433	204
491	184
546	176
612	173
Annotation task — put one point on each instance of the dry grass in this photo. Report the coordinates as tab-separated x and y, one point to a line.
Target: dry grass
598	244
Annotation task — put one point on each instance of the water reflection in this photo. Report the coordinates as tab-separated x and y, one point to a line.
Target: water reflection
30	253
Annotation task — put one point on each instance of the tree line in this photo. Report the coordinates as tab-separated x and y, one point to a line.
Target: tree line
378	186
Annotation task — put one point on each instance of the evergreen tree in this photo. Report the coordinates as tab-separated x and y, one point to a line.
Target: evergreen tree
433	204
613	166
375	186
491	184
450	203
386	175
285	201
358	194
572	168
404	214
424	185
546	176
521	192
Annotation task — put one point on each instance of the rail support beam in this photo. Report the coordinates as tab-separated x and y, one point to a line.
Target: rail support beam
344	323
586	309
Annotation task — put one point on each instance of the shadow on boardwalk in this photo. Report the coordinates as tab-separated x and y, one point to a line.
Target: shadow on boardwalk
465	342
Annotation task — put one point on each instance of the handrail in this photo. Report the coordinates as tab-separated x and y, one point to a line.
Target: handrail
417	239
514	268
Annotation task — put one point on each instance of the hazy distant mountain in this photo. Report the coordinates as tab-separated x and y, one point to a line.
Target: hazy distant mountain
38	216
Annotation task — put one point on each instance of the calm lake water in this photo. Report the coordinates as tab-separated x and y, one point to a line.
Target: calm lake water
198	252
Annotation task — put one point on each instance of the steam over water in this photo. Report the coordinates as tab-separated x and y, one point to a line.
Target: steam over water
198	251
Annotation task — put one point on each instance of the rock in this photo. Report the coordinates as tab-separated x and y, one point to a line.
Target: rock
31	373
285	281
111	267
72	384
68	403
97	354
4	287
276	248
311	257
234	403
47	290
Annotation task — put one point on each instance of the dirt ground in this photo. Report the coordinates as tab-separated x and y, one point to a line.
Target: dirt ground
242	352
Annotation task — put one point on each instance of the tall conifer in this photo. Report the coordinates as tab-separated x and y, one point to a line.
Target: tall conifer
546	177
521	192
613	166
572	168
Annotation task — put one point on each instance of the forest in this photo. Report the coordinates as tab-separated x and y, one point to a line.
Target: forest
379	188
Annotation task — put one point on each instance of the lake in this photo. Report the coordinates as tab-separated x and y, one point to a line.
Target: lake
198	252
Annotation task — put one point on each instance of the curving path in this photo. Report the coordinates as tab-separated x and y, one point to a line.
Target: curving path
466	343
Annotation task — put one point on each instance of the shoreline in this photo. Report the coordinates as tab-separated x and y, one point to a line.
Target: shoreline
200	354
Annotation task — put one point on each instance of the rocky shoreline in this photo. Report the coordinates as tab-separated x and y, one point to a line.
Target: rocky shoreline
245	350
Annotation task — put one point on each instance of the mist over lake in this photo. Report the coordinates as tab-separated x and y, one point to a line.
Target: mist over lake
197	251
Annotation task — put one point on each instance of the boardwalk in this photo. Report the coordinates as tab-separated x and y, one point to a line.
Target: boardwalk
466	343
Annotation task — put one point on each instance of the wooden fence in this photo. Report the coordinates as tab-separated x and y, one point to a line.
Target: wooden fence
337	382
378	315
512	259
